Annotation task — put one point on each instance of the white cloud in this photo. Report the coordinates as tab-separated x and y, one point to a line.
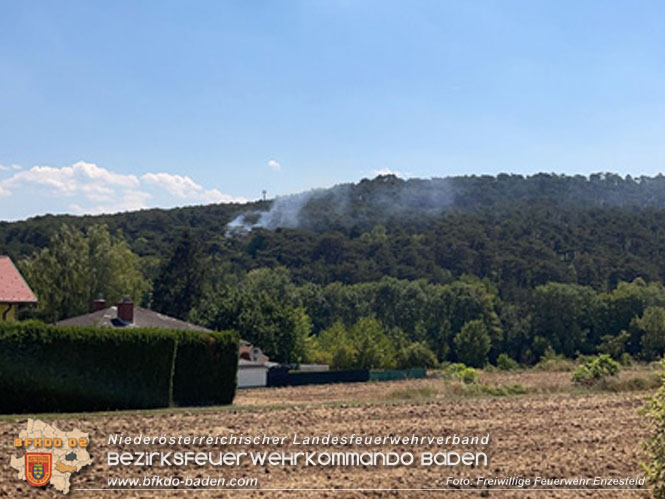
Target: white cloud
130	201
91	189
214	196
6	168
274	165
388	171
178	185
184	187
80	178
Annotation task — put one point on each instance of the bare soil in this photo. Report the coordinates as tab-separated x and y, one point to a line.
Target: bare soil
553	433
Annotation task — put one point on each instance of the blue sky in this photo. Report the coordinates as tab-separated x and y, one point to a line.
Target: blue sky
110	105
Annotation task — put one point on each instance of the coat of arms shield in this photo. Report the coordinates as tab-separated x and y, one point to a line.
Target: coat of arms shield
38	468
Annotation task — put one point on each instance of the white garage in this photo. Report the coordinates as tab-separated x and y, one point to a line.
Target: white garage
252	374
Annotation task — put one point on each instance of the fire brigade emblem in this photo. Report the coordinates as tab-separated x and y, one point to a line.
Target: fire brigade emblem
38	468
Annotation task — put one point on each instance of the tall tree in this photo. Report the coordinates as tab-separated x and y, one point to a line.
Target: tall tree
334	347
77	267
472	343
280	329
652	325
179	285
564	316
373	346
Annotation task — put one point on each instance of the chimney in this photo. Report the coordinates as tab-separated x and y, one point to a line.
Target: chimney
99	304
126	310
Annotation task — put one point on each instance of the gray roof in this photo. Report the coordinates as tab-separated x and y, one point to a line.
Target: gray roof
143	317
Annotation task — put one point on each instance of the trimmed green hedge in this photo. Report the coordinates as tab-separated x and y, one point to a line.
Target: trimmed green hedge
45	368
206	368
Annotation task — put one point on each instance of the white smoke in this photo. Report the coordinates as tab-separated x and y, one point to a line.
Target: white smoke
385	196
284	212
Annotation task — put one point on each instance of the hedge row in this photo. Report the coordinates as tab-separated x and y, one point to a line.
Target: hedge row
206	369
45	368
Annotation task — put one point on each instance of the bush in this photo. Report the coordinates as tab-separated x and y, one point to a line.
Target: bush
598	369
46	368
416	355
505	363
654	470
626	360
460	372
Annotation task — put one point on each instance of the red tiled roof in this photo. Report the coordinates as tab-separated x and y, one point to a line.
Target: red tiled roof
13	289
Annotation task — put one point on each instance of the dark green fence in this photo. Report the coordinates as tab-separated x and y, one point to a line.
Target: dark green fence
280	376
396	374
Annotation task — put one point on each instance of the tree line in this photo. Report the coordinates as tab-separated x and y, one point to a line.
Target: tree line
388	322
489	265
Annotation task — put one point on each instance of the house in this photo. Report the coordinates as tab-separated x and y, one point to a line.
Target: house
14	291
252	363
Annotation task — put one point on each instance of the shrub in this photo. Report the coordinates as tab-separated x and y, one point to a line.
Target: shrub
654	470
598	369
505	363
46	368
416	355
460	372
626	360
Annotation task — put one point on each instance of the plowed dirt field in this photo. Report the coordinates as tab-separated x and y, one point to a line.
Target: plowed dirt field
552	433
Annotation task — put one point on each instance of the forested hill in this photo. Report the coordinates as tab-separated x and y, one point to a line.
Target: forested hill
384	272
147	231
517	231
391	201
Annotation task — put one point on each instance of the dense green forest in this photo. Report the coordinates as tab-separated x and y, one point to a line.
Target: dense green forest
407	269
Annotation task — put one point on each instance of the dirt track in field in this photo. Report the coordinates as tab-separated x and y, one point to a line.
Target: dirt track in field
553	435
